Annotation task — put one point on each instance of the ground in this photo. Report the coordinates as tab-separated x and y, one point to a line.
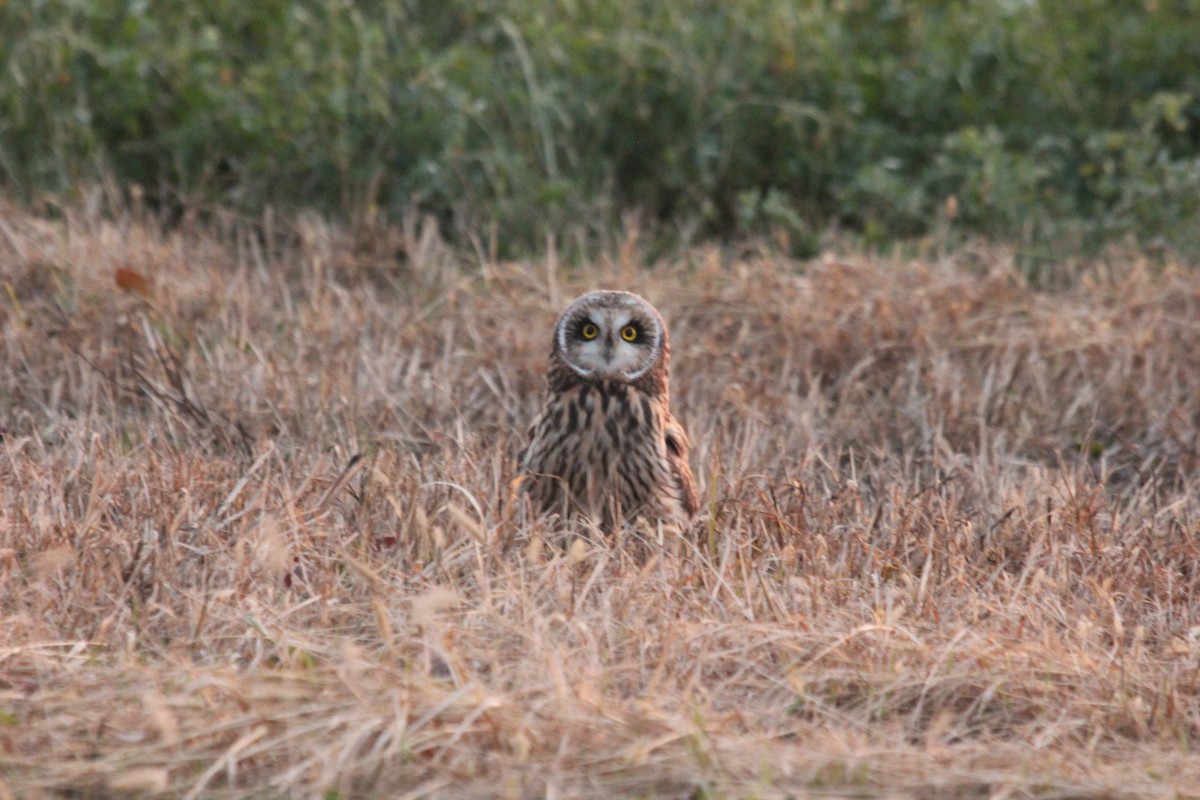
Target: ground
257	533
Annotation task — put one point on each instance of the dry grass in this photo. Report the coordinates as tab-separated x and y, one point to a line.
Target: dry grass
950	548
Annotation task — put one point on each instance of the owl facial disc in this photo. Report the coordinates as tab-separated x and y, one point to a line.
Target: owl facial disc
610	335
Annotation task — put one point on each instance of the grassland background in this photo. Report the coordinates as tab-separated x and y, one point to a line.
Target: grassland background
277	286
949	546
1055	125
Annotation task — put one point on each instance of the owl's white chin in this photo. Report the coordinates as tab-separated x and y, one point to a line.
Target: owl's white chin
619	367
598	374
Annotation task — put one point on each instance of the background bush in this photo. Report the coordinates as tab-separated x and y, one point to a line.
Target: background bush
1048	122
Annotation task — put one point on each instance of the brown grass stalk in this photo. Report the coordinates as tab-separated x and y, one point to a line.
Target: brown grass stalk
256	534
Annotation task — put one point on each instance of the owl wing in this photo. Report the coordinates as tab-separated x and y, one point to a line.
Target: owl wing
543	460
531	461
677	455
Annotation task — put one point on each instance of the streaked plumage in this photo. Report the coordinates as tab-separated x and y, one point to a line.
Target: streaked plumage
605	444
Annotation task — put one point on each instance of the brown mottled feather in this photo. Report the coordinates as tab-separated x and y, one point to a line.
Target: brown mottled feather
609	449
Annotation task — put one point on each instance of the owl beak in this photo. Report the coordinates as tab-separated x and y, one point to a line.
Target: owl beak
608	350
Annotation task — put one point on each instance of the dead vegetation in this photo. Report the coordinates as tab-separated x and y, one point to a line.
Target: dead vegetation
950	547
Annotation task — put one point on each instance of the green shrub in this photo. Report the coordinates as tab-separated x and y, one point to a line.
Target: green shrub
1045	121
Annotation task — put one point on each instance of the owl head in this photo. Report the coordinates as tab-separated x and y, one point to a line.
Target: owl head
610	335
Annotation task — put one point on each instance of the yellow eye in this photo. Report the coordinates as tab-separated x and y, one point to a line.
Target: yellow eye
589	331
629	333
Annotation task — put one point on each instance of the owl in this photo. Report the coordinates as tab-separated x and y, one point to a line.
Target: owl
605	445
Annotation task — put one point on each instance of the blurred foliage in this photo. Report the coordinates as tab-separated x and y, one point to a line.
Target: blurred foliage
1050	123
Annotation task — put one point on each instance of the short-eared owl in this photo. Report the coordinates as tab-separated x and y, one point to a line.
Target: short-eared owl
605	444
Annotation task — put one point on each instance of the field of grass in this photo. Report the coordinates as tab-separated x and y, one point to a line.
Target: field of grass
949	547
